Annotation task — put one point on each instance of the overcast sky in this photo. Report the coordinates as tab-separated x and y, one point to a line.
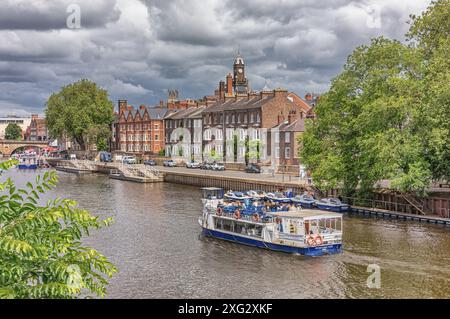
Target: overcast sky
138	49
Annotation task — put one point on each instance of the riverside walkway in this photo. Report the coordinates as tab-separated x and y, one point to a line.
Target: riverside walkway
240	181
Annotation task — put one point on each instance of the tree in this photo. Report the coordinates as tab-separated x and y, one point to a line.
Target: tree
430	33
77	109
41	253
386	115
13	132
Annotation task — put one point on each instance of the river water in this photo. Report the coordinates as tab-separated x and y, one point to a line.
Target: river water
157	247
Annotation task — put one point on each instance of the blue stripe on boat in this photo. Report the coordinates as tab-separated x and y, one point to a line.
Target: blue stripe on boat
310	251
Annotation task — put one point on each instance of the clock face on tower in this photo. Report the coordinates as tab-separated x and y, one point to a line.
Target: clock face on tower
240	71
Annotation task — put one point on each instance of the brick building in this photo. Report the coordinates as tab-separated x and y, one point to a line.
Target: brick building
37	130
272	118
140	131
189	119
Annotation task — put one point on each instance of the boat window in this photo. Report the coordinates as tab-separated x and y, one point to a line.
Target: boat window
338	224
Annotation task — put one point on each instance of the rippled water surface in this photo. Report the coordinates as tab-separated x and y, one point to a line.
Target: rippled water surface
156	244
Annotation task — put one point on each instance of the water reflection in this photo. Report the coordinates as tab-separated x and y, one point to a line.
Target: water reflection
156	244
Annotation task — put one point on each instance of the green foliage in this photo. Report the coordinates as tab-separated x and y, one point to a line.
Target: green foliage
213	155
80	111
102	145
429	30
162	152
41	253
386	115
254	150
13	132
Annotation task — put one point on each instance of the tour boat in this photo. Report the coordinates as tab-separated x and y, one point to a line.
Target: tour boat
256	195
304	200
332	204
305	232
27	161
236	196
278	197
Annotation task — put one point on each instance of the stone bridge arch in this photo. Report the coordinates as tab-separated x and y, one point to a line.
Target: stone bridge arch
7	147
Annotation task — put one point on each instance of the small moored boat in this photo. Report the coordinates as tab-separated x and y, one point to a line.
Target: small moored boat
332	204
306	200
256	195
278	197
236	196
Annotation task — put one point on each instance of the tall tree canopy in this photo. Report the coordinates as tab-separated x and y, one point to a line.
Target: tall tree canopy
13	132
81	111
386	115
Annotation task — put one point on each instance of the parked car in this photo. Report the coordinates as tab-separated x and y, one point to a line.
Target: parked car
169	163
105	157
129	160
206	165
253	168
150	163
218	167
193	164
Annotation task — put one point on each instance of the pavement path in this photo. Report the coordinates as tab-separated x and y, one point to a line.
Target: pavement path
234	174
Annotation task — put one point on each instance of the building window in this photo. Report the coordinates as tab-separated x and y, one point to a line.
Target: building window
287	137
258	118
219	149
219	135
252	118
230	132
156	126
287	153
242	134
277	152
277	137
156	137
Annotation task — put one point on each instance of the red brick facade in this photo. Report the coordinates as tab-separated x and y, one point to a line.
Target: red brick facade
140	131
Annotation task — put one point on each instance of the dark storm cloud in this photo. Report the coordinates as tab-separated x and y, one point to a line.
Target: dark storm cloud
51	15
138	49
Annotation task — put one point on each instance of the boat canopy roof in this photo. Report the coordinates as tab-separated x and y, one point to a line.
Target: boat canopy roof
212	189
307	214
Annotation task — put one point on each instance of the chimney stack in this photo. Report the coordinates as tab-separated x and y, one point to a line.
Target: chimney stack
221	90
229	84
280	118
123	104
282	93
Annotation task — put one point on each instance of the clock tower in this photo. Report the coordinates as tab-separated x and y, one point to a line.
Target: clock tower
240	82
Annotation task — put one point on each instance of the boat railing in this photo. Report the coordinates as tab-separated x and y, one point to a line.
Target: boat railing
244	216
